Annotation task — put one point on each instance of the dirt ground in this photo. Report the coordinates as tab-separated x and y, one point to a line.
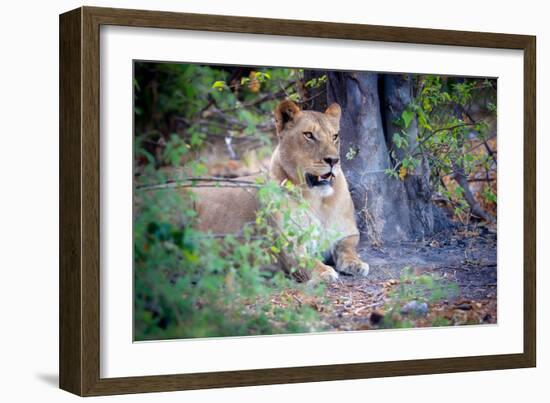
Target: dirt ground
463	260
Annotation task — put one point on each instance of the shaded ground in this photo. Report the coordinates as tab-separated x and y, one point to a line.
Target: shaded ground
450	279
468	257
465	258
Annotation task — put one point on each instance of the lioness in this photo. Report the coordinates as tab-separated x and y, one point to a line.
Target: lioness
308	156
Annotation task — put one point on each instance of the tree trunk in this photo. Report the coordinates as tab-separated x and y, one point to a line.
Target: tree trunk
397	93
388	209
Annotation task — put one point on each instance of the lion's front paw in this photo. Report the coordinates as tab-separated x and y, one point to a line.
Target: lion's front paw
324	273
354	267
330	276
365	269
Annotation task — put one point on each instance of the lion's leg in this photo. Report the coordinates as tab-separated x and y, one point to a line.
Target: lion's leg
320	271
289	262
347	259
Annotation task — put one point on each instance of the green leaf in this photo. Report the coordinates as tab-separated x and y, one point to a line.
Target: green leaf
407	117
219	85
397	140
422	120
294	97
352	152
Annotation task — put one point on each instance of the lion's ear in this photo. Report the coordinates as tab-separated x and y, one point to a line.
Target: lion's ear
334	111
286	112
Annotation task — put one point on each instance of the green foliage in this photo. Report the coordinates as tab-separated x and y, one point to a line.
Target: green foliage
351	153
296	228
448	139
417	289
193	284
405	119
316	82
198	103
422	287
489	194
220	85
399	140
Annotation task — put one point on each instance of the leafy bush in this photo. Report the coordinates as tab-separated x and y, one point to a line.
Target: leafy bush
193	284
453	116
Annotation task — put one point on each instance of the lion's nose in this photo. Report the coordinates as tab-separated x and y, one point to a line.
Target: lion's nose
331	160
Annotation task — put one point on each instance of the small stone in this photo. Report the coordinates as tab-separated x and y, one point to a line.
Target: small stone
415	308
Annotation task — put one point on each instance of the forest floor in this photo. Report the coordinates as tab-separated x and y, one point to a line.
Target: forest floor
450	279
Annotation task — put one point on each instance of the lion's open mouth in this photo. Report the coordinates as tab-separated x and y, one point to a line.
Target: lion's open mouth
319	180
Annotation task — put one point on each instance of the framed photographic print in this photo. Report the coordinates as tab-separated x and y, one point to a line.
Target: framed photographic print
249	201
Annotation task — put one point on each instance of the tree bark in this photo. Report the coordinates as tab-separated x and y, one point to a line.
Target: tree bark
397	93
388	209
381	202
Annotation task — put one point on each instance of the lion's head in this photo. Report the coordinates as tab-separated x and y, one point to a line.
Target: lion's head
309	146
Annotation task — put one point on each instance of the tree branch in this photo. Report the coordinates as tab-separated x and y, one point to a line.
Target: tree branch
207	182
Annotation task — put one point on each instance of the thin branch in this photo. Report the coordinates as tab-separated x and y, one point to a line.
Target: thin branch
424	140
265	98
207	182
190	185
311	98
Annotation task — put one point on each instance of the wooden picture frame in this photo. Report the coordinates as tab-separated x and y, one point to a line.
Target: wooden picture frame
79	201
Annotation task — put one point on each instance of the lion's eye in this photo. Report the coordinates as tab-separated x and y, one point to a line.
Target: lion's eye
309	135
335	137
